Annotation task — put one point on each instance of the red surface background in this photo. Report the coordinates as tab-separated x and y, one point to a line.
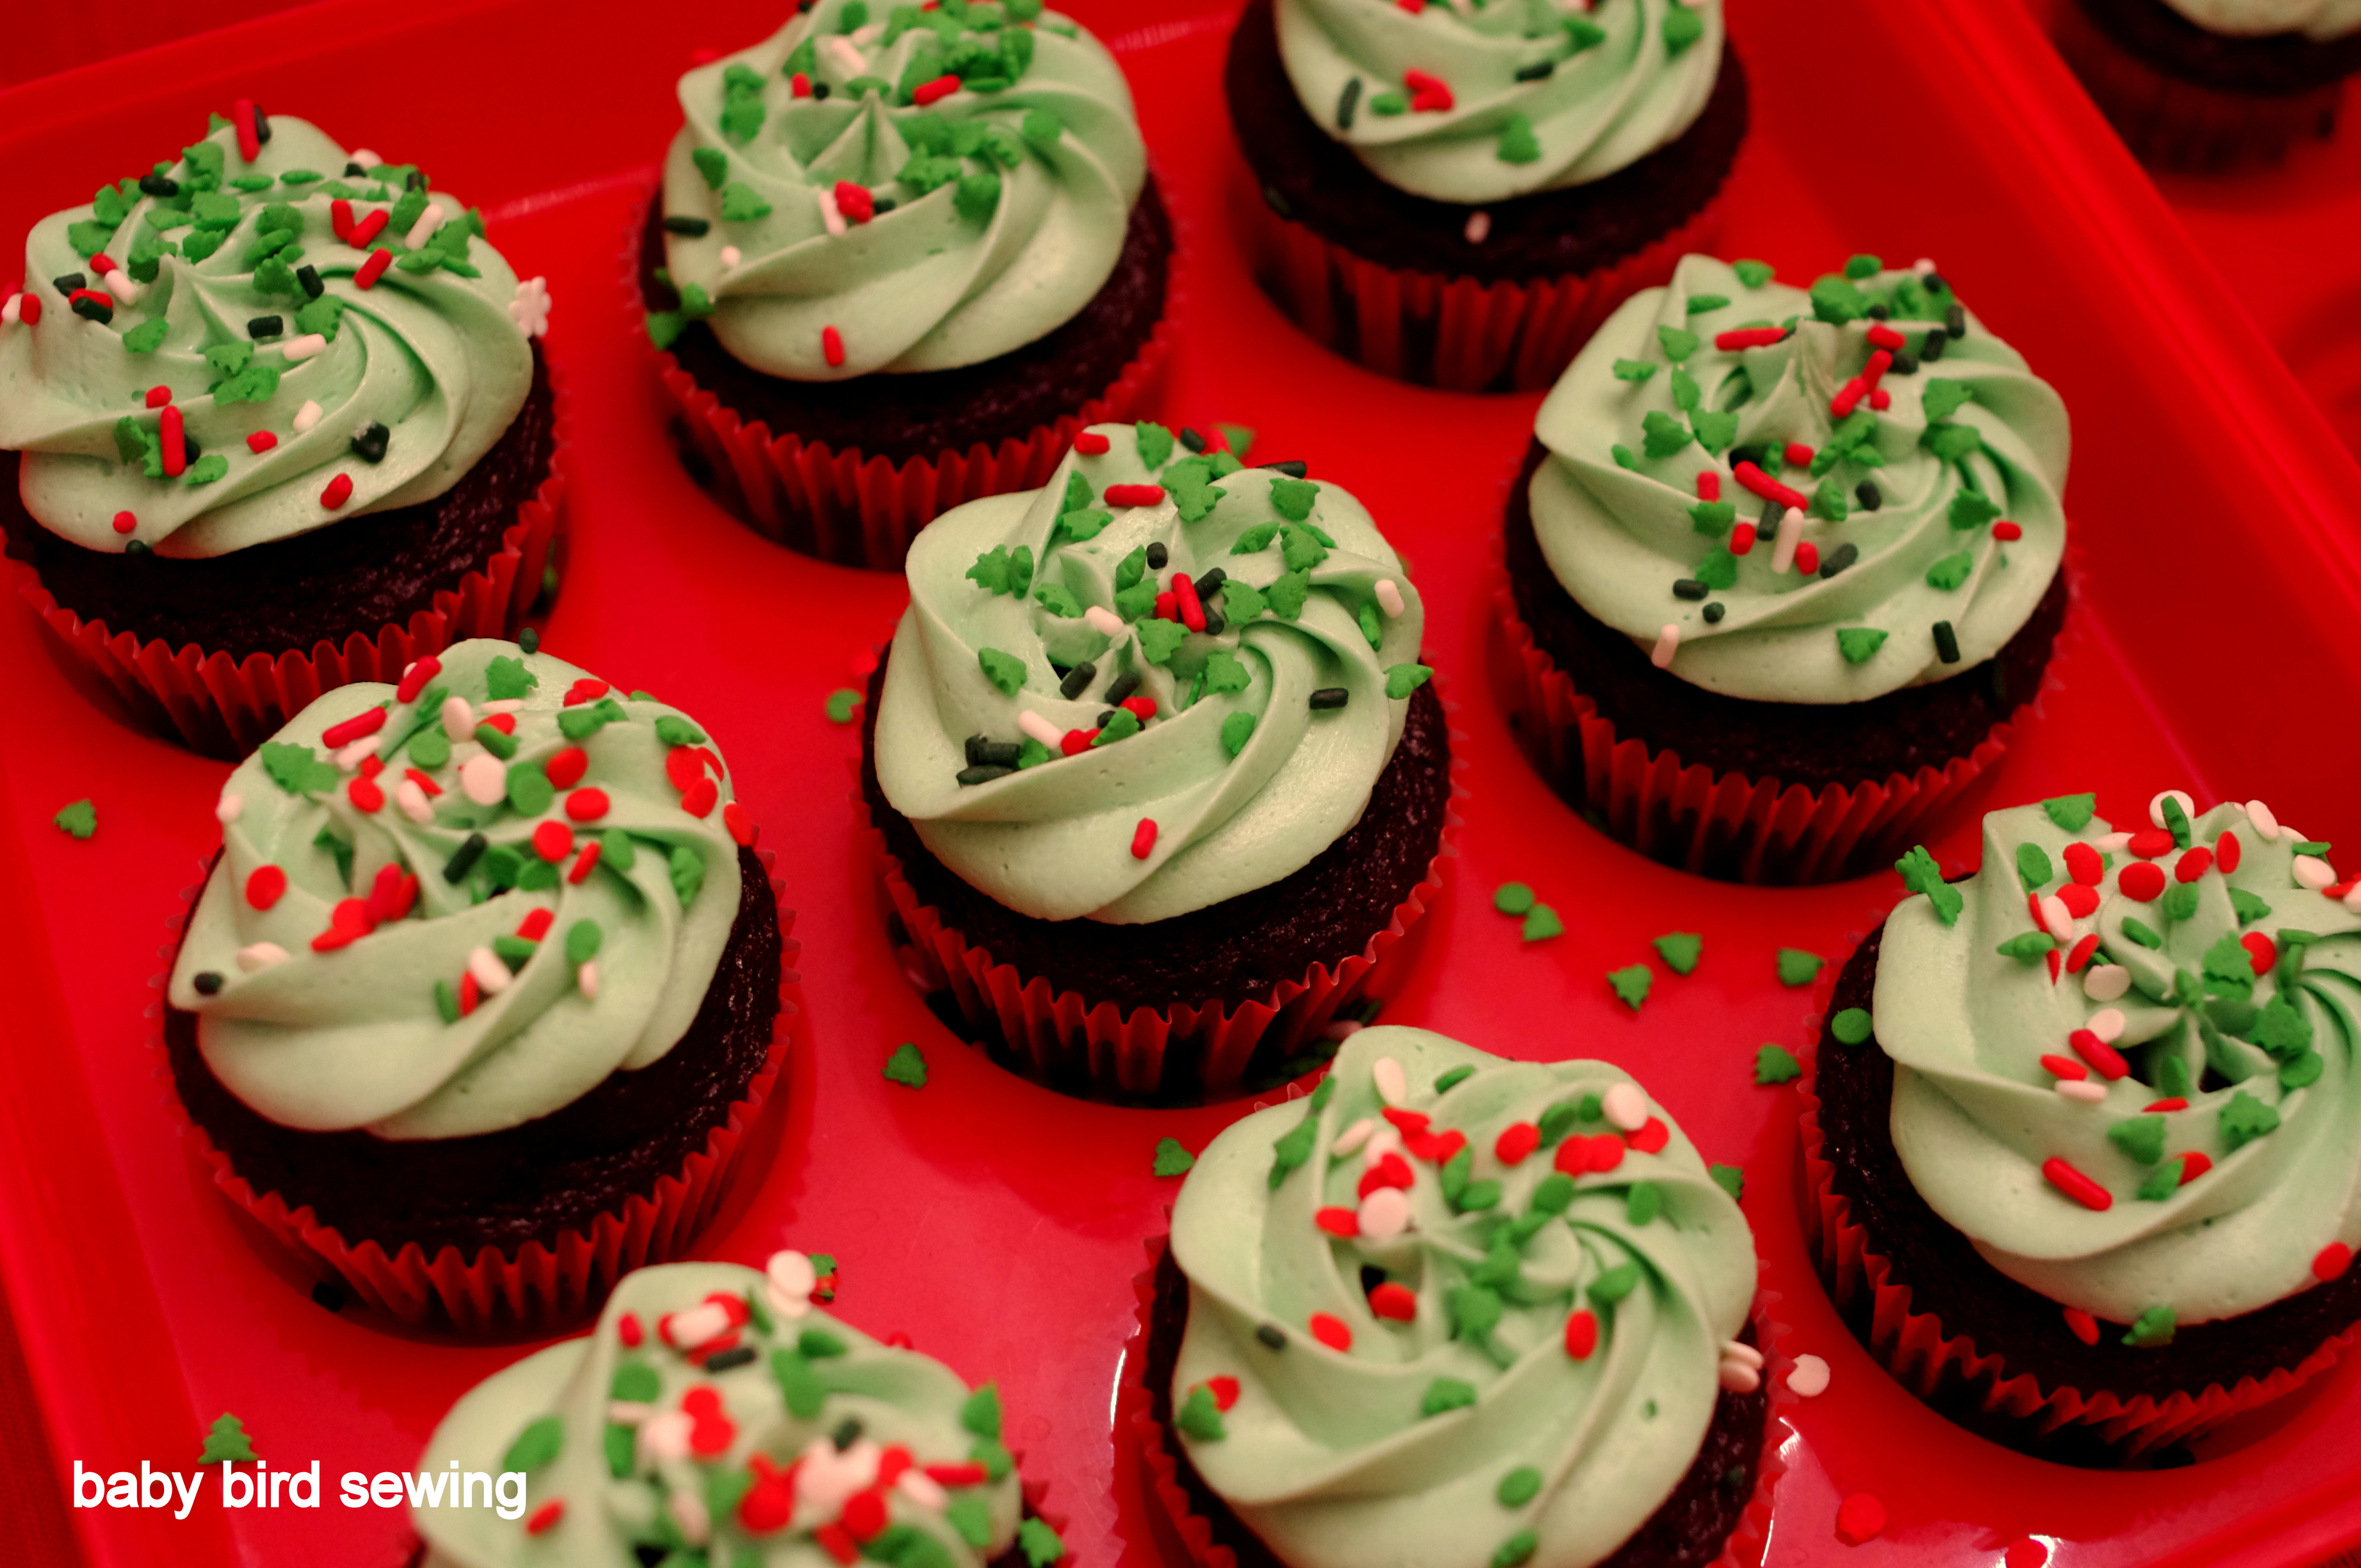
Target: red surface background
2217	517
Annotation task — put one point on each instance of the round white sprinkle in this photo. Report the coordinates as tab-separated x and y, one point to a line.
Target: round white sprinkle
1626	1107
1808	1378
928	1493
586	979
2111	843
2082	1089
1353	1137
790	1275
1667	640
1739	1350
2155	806
414	803
2260	815
490	974
299	349
119	284
1385	1213
2057	917
307	416
1385	1140
261	956
228	807
2107	1023
665	1435
2315	871
350	757
831	216
13	312
1740	1378
730	257
1038	728
424	229
459	718
503	705
2104	983
1389	594
1791	533
1103	621
1393	1088
484	779
1479	227
1923	265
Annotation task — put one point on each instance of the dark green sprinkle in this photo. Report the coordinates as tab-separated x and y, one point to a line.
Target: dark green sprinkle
1715	611
1688	588
1346	102
1837	560
984	772
463	859
1329	696
693	227
1078	680
207	982
1272	1336
1946	643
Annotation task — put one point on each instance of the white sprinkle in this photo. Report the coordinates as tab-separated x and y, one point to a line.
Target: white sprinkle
1385	1140
731	256
1808	1378
484	779
830	214
791	1273
307	416
2111	843
351	756
826	1478
1103	621
424	229
1626	1107
299	349
261	956
227	810
2156	807
921	1490
692	1326
1390	598
1393	1088
490	974
2260	815
1923	265
119	284
530	308
1739	1350
2082	1089
1353	1137
1479	227
2315	871
2104	983
849	58
1667	640
414	803
2107	1023
2056	917
628	1412
1385	1213
503	705
665	1436
363	157
13	312
1343	1029
1791	533
459	718
1038	728
1740	1378
586	979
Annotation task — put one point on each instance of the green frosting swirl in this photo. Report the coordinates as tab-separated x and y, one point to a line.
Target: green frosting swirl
1470	1434
715	1415
2263	1058
999	210
437	1019
1244	779
2319	20
1538	98
435	351
1970	442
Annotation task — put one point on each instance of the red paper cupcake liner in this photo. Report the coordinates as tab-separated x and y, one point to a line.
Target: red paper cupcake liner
225	707
1745	1548
859	510
1713	824
1926	1357
1453	333
1058	1036
542	1288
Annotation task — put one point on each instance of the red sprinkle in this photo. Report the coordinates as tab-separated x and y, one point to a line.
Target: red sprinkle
1143	838
2330	1261
2080	901
1184	598
2085	949
2008	533
589	688
2081	1325
503	722
29	308
2193	864
1090	442
2226	852
698	798
1435	1148
1074	742
349	922
835	1538
536	925
831	342
585	862
934	91
1394	1302
1798	455
1516	1141
1769	488
1749	337
800	86
1652	1137
101	264
2108	1061
734	818
552	841
373	269
1884	337
263	885
1860	1518
1224	1391
1742	539
1331	1332
260	441
2141	882
1167	606
415	679
392	894
2261	951
365	793
2065	1067
2026	1552
1140	708
124	522
340	219
2193	1164
1606	1152
2076	1184
368	228
855	202
1391	1171
1135	495
548	1514
2084	864
2175	1103
367	722
956	1475
1406	1121
158	396
2054	963
249	138
630	1332
1338	1221
565	768
1581	1334
1807	557
1708	485
175	444
339	491
864	1514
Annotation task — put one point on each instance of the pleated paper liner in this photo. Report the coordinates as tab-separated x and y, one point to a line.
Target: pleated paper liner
541	1287
1169	1493
1942	1368
2183	127
1452	333
861	510
1719	825
225	707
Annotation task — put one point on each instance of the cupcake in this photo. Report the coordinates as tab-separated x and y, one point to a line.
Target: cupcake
717	1416
1781	566
895	264
1155	768
2206	85
2079	1139
274	418
1458	1311
486	985
1459	196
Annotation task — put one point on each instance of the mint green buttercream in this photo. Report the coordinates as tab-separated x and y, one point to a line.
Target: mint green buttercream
1010	196
1055	841
708	1488
1975	1114
439	356
1332	1457
355	1037
1619	535
1605	104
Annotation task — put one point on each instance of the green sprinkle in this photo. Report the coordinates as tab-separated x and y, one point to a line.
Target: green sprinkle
1154	442
1624	457
1678	342
1457	1075
843	702
1718	570
1512	898
1521	1546
1173	1159
1663	435
2142	1137
2032	868
2026	947
2180	901
2140	931
1635	369
2245	1119
980	1413
1005	671
1699	305
1446	1394
1292	499
1042	1544
1403	679
1286	597
1236	730
1122	727
1852	1027
2162	1182
1859	267
1615	1284
907	1066
1970	510
1542	923
1753	274
228	1440
1199	1418
530	792
541	1442
1773	1064
1949	572
1159	639
1942	398
739	204
2071	812
1713	518
1797	966
1859	644
582	939
79	819
2152	1329
1518	144
1630	985
147	336
2314	846
1837	301
1643	1201
686	867
298	770
1680	951
1731	1179
1519	1487
2249	906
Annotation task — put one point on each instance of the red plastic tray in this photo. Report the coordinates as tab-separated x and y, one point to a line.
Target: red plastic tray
2219	525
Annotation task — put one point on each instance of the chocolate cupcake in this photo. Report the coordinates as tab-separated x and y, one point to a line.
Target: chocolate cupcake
1457	1310
717	1416
2078	1132
337	454
2209	85
484	988
1459	196
1155	768
895	264
1782	565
